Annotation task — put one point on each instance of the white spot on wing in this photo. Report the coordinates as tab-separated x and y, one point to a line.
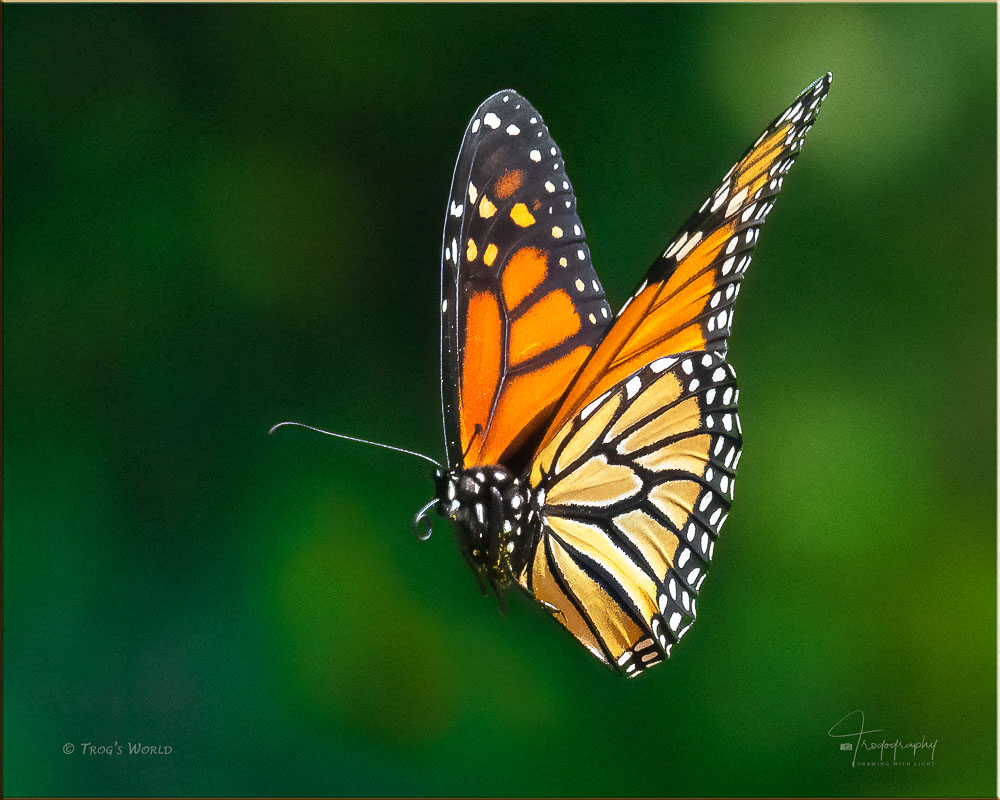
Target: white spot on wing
687	248
734	204
675	246
589	409
662	363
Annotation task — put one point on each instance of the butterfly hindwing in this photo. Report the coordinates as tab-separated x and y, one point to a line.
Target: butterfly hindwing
685	301
633	493
521	304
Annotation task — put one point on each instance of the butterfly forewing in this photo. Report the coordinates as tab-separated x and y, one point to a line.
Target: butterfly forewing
685	301
633	493
521	304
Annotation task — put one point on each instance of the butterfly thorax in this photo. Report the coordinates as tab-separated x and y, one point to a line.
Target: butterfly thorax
497	520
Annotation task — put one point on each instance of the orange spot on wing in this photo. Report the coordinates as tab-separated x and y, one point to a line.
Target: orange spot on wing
523	272
480	363
509	183
549	322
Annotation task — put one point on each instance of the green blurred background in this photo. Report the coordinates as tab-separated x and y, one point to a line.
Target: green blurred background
220	217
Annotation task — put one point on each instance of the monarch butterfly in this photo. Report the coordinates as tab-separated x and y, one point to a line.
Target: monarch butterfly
591	457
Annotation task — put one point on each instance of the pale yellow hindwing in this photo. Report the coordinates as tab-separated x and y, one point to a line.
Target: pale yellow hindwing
632	493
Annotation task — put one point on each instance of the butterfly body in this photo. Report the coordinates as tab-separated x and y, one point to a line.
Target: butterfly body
591	457
496	518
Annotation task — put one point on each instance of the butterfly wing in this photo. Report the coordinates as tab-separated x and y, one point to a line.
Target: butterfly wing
633	494
521	306
634	476
685	301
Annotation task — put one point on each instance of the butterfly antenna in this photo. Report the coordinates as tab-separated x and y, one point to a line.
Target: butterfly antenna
356	439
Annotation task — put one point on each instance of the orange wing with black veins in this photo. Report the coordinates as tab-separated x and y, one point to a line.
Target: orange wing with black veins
685	302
